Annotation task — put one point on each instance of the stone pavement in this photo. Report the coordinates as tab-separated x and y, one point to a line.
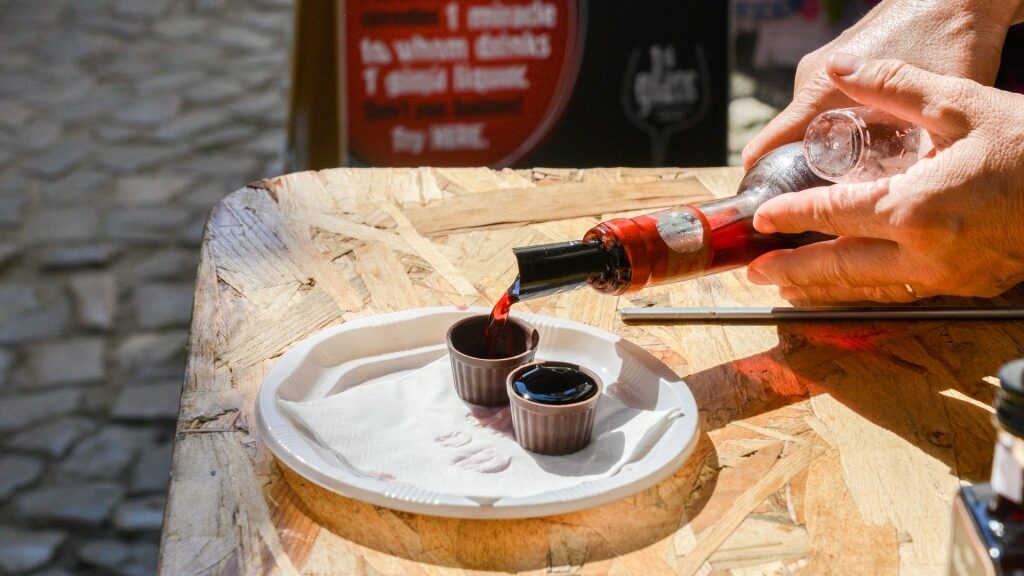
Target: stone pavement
121	123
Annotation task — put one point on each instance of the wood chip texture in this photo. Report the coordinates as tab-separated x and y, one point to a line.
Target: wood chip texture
824	448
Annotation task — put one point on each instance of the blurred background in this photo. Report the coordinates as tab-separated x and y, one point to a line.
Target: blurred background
123	121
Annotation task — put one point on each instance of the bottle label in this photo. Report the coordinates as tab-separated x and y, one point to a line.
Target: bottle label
683	231
1007	474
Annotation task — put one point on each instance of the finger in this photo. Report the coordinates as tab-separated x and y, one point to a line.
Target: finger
892	293
932	101
843	262
839	210
791	123
788	126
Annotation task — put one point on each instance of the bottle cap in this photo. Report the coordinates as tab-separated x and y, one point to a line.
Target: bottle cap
1010	399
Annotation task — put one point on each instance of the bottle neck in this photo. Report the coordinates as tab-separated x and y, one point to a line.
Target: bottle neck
628	254
548	269
1008	468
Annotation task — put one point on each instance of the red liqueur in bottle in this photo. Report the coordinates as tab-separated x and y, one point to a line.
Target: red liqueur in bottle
629	254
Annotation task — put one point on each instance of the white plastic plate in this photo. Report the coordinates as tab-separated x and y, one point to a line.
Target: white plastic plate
385	346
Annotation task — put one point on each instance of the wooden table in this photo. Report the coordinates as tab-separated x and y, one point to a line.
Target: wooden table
825	448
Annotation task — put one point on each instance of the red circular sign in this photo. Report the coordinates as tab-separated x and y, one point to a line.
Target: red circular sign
447	83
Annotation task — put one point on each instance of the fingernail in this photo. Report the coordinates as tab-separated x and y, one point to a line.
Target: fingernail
756	277
763	225
792	293
752	145
745	153
843	64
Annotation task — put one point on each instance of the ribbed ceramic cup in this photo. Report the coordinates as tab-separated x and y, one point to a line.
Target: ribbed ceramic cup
552	429
480	380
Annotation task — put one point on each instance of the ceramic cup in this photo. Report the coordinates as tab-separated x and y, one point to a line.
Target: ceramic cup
480	380
552	429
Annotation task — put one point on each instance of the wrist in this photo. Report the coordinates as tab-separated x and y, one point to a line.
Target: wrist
976	27
986	14
978	12
1015	10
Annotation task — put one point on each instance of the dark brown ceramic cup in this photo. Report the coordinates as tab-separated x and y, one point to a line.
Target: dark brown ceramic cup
480	380
552	429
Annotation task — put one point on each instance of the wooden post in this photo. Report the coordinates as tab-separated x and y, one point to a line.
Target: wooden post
315	132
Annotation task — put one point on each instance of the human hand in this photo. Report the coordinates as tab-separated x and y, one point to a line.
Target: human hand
959	37
952	224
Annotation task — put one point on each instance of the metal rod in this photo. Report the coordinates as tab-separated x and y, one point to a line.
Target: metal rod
815	313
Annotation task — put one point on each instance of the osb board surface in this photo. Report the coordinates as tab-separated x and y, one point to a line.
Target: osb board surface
824	448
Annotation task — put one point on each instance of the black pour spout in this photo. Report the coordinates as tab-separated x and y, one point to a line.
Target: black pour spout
547	269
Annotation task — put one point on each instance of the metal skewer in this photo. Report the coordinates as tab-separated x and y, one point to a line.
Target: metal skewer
815	313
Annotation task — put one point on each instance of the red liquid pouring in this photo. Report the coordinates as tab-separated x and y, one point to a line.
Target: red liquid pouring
495	346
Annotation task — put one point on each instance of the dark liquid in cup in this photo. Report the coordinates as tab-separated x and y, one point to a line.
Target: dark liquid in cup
554	384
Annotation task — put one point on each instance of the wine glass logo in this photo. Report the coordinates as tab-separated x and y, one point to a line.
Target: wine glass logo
663	98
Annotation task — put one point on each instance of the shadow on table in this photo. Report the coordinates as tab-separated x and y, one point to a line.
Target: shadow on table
591	535
611	530
923	381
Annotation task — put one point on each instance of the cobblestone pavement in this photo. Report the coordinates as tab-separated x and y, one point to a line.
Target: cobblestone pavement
121	123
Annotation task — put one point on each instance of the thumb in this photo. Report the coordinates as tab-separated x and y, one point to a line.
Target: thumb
932	101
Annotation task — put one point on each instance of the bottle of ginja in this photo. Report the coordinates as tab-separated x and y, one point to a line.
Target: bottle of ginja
988	519
628	254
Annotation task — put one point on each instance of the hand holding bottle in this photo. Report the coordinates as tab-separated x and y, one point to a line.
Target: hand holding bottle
959	37
950	225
